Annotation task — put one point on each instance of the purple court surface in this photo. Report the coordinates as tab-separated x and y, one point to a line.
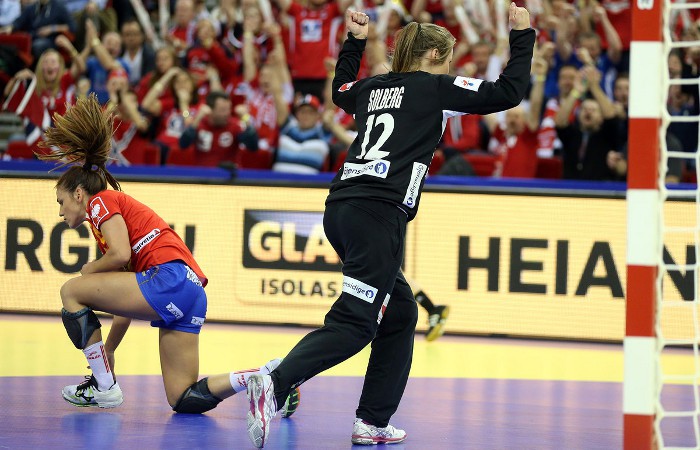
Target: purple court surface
437	413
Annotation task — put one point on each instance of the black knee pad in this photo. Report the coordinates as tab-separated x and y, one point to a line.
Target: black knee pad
196	399
80	326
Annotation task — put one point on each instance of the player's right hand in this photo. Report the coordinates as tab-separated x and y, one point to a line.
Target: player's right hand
357	23
518	17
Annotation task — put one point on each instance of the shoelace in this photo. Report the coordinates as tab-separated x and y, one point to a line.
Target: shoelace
89	381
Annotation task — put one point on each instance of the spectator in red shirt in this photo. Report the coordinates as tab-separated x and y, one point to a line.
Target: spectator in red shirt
176	112
312	37
516	143
208	53
217	134
165	60
181	36
547	135
129	142
268	91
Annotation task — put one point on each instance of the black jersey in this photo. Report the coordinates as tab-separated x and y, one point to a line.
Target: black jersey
401	118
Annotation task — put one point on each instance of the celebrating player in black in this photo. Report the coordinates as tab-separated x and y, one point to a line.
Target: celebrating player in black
401	117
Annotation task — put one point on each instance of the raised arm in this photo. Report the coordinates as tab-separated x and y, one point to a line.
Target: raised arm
614	42
593	76
106	60
78	65
539	72
475	96
281	105
151	102
566	104
348	64
250	66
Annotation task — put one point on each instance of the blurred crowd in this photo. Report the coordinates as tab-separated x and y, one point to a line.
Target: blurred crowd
247	82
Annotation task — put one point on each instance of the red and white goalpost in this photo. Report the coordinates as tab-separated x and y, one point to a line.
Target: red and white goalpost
659	319
644	243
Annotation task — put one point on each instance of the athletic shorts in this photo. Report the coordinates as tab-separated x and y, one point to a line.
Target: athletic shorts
174	291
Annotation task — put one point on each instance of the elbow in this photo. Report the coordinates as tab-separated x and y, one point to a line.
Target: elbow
120	257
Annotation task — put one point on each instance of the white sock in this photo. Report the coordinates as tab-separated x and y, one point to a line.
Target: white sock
97	358
239	380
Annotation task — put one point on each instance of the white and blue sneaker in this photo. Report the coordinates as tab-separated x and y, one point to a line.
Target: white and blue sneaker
364	433
263	407
87	394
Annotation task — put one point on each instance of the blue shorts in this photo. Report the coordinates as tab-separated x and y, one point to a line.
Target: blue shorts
174	291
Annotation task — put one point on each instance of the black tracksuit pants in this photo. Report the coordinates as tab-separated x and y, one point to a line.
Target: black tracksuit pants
369	238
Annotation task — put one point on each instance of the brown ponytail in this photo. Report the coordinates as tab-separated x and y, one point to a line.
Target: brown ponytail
82	137
414	40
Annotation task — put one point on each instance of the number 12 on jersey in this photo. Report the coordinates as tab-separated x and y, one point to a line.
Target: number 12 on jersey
385	119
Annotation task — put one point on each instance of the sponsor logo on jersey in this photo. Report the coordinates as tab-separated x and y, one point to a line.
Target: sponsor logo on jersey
197	321
192	276
346	87
358	289
471	84
378	168
174	310
154	233
98	211
226	139
413	190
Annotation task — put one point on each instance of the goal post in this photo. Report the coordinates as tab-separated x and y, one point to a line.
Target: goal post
644	222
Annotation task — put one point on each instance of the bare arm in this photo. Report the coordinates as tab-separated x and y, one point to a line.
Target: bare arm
151	102
250	68
281	105
117	236
78	65
614	42
593	76
280	55
103	56
329	64
119	327
567	103
131	109
417	8
565	26
24	74
334	127
539	70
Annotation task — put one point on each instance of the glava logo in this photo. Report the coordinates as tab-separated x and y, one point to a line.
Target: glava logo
287	240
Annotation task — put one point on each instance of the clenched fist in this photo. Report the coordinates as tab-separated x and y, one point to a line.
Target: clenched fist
519	18
357	23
